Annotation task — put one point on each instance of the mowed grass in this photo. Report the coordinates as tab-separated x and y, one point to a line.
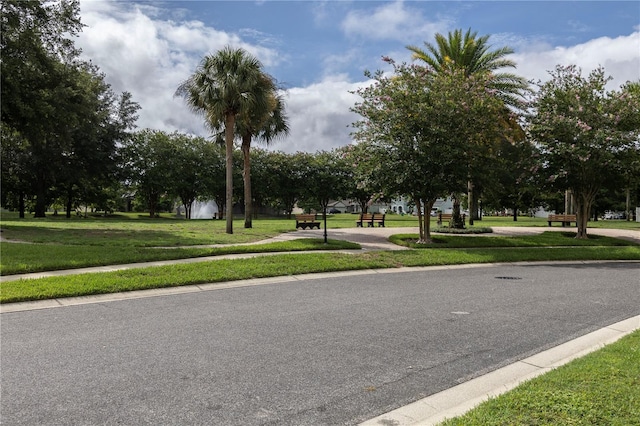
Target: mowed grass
27	258
602	388
545	239
286	264
58	243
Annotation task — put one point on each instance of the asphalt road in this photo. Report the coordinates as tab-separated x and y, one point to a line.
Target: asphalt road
315	352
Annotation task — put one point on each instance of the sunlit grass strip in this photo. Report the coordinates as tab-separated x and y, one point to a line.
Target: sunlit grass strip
545	239
602	388
25	258
283	265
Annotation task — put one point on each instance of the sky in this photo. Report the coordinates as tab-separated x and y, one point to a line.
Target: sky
318	51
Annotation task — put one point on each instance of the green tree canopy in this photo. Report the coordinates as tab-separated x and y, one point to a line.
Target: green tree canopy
421	127
584	131
474	56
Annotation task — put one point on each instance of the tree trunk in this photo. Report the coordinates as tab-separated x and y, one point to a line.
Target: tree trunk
583	204
515	214
40	207
421	238
246	174
152	205
428	205
69	203
628	205
21	205
187	209
230	121
324	219
471	199
456	217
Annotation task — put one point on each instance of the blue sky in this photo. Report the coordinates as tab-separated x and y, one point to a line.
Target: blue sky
319	50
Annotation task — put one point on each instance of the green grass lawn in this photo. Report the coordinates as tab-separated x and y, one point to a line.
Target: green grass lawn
545	239
602	388
288	264
26	258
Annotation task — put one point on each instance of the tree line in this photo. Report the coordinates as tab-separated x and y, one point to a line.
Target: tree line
451	123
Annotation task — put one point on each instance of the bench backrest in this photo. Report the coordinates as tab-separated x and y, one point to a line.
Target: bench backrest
305	217
378	216
366	216
561	216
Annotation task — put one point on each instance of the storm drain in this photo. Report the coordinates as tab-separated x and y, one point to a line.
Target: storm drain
508	278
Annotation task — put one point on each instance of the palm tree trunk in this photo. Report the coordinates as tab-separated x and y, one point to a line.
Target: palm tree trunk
229	123
246	174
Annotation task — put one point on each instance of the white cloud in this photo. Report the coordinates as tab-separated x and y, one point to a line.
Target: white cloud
619	56
320	115
391	21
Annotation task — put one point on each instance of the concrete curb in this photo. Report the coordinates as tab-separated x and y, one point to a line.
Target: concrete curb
459	399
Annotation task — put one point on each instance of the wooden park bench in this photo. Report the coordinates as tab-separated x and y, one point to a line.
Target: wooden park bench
370	219
305	221
565	219
364	218
378	218
447	216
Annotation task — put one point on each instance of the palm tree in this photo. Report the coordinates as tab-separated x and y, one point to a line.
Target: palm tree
265	125
472	54
225	85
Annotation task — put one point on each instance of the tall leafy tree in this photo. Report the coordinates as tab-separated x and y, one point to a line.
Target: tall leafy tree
224	86
37	52
514	181
326	178
188	171
285	180
15	157
149	157
584	132
474	55
630	170
363	186
67	116
419	126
